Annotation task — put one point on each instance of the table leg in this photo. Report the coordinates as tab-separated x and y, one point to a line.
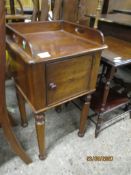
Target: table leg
15	145
109	76
84	115
98	124
21	104
102	73
40	130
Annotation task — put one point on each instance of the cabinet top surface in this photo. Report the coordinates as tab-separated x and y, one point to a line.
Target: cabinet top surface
46	41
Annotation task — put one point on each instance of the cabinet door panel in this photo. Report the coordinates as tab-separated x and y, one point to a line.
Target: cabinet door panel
67	78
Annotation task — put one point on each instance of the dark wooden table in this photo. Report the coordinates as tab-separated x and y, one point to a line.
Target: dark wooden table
117	31
123	11
118	54
56	62
4	119
117	25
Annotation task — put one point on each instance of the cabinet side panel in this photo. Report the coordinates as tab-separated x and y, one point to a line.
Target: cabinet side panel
19	69
95	70
36	83
30	79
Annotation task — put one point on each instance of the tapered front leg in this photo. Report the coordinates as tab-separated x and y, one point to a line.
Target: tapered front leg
21	104
40	130
84	115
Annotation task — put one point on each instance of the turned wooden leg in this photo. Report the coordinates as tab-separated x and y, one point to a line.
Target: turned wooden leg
21	104
102	73
109	75
84	115
12	140
128	108
40	130
98	125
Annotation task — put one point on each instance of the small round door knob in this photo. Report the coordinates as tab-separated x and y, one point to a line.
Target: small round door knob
52	86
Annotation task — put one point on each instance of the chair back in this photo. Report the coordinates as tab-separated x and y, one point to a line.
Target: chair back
87	8
66	10
12	6
98	12
40	10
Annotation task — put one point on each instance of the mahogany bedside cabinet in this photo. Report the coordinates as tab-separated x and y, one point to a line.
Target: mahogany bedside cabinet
55	62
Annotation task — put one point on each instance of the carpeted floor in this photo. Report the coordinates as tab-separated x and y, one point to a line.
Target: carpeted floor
67	153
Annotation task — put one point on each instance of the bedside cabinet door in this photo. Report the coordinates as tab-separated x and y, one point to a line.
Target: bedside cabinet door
68	78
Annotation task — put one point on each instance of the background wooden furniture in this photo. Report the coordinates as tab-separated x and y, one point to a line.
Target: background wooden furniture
116	28
124	11
87	8
25	4
105	98
90	7
40	10
4	120
116	25
47	73
66	10
13	16
113	4
20	6
11	4
17	18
